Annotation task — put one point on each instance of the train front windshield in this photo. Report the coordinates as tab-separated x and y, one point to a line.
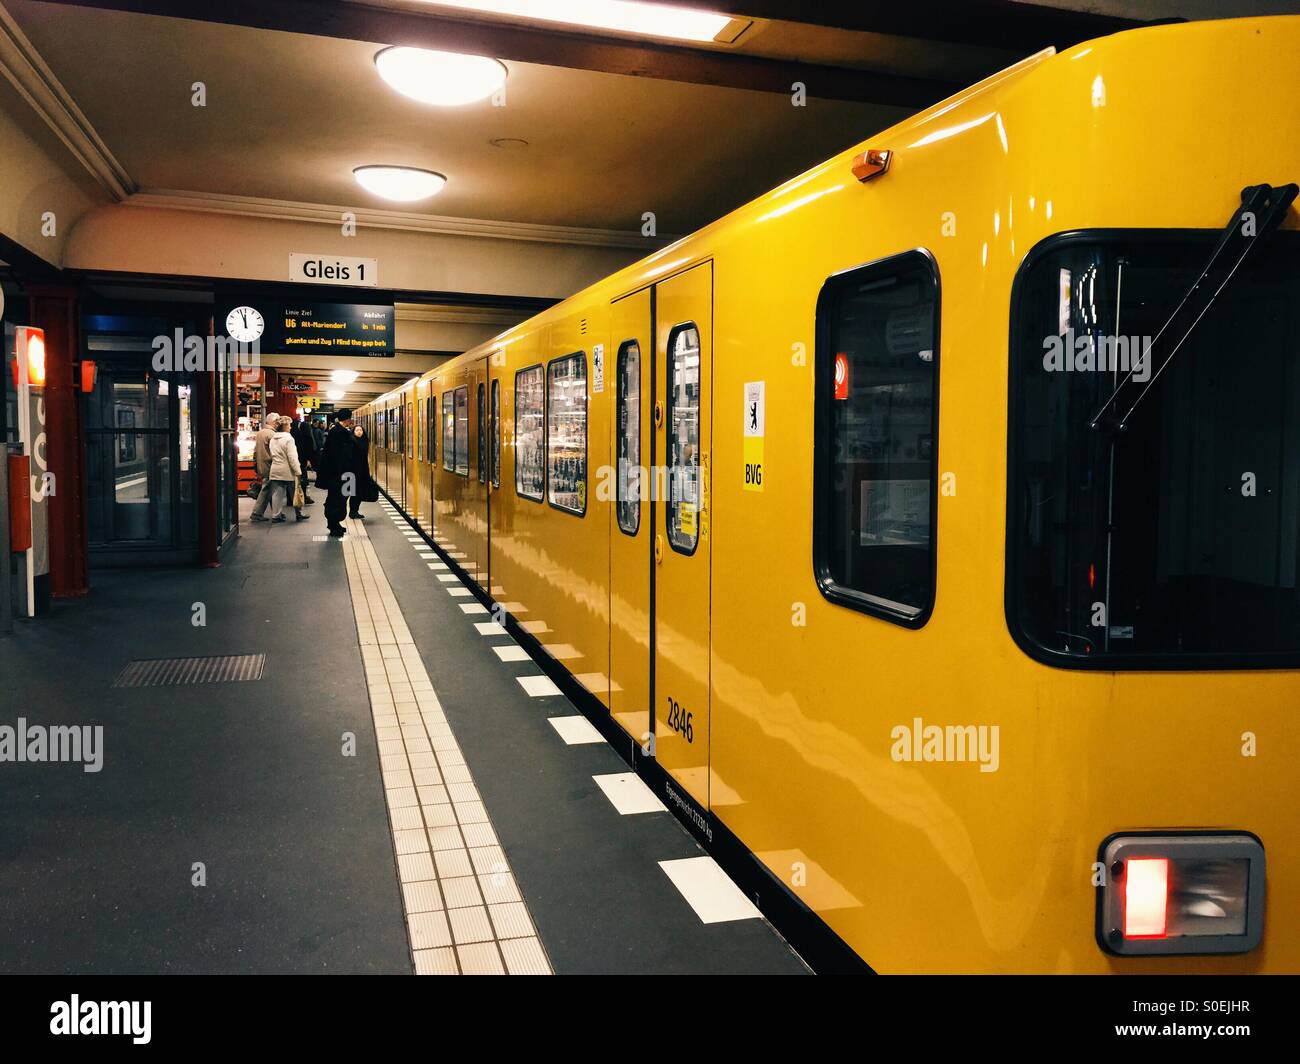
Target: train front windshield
1172	543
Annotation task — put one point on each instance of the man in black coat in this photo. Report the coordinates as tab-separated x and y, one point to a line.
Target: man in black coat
335	471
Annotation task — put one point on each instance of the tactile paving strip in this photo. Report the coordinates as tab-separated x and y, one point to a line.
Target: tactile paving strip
464	913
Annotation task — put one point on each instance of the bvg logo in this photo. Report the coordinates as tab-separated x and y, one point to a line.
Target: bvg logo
753	474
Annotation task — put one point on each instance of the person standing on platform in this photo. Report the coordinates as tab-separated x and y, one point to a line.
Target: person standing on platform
306	441
262	464
334	471
285	471
361	467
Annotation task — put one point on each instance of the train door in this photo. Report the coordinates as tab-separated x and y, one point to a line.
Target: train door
477	496
683	316
411	479
629	358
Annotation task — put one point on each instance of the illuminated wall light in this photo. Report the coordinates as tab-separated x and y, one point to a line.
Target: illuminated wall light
618	16
444	79
35	357
404	184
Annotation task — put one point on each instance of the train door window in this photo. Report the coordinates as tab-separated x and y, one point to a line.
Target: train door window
462	431
628	487
431	427
482	434
530	441
448	432
496	433
566	432
410	433
875	473
683	505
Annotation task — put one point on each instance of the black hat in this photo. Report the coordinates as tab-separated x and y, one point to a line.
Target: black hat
343	414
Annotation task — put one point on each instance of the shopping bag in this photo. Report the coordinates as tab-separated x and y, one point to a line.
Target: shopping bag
299	496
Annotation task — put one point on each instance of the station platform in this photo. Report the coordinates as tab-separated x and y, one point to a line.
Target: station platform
382	782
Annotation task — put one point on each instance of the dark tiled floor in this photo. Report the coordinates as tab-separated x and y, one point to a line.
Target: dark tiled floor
247	778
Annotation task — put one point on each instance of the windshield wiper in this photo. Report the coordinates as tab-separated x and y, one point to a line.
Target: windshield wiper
1262	209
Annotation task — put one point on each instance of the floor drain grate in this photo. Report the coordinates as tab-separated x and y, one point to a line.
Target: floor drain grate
172	672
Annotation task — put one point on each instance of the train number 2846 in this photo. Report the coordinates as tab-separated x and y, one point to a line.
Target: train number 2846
680	721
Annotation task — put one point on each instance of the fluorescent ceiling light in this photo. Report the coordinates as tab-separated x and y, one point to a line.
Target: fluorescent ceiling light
620	16
335	394
344	376
402	183
446	79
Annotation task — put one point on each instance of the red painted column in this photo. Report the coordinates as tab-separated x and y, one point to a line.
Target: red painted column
55	309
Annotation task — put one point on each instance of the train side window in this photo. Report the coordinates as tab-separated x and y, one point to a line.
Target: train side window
410	433
875	477
462	430
496	433
530	439
628	487
482	434
683	503
566	432
448	432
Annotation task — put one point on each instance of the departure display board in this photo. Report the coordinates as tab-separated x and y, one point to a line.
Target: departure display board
290	327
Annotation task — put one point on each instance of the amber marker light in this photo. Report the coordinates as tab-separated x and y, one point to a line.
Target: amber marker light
871	163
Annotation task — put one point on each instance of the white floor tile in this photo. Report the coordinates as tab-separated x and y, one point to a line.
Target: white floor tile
489	628
576	729
628	794
473	608
706	888
459	592
510	652
538	686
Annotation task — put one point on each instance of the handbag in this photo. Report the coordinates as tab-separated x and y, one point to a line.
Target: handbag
369	490
299	496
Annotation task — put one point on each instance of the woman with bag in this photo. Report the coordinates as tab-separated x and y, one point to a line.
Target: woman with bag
286	472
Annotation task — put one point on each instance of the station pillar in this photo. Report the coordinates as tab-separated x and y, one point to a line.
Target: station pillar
54	308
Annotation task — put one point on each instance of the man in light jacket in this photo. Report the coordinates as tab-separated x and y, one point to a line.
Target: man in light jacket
285	471
262	464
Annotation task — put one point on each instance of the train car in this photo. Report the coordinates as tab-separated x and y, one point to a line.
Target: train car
926	530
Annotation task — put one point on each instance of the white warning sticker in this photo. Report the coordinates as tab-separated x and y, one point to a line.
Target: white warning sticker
598	368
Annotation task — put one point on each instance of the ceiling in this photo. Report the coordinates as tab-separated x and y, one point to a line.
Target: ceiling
289	116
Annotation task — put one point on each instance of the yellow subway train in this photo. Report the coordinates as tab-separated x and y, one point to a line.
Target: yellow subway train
927	530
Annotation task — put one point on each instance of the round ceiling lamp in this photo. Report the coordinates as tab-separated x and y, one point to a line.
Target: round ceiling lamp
404	184
444	79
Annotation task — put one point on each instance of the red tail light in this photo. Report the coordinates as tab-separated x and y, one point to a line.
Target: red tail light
1146	897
